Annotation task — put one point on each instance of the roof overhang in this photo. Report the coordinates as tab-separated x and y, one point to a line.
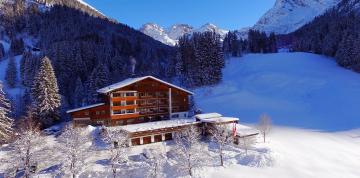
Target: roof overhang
85	107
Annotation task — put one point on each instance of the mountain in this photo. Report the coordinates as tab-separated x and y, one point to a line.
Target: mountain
171	35
158	33
289	15
178	30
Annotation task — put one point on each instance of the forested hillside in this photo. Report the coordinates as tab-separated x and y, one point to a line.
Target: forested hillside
87	51
335	34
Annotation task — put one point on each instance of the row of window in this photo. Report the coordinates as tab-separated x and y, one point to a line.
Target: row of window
123	103
124	111
122	94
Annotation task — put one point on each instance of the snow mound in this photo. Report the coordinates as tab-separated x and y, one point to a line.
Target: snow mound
295	89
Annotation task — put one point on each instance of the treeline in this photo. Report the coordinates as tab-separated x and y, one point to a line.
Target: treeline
87	52
335	33
257	42
199	59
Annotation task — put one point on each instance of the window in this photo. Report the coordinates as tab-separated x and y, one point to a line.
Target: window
175	116
129	121
130	94
86	113
100	122
130	102
117	103
103	112
97	112
121	122
122	111
118	94
141	119
130	111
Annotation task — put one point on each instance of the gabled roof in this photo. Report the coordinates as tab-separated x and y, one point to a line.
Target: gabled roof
130	81
85	107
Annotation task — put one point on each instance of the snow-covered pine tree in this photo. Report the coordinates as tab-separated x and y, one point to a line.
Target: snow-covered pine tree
11	73
6	123
99	78
79	93
2	51
45	94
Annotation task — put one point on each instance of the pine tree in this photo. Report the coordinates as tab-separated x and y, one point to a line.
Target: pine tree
2	51
6	123
99	78
79	94
45	94
11	73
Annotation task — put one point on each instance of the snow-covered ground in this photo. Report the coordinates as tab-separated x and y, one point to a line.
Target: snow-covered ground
296	89
315	102
311	100
299	153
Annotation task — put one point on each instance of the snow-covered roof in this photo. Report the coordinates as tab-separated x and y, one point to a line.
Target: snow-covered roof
156	125
219	119
85	107
130	81
207	115
214	118
243	130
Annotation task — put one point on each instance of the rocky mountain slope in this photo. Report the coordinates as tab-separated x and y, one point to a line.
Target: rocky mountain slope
171	34
288	15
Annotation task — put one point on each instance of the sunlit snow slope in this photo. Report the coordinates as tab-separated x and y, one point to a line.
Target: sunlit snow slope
295	89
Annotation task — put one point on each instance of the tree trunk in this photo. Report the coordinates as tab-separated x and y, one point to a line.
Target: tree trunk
264	137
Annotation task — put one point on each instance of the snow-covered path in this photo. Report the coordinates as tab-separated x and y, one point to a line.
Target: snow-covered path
304	154
296	89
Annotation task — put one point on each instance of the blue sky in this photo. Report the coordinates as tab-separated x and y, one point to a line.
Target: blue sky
228	14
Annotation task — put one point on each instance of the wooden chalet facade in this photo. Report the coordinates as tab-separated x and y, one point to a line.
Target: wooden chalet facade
149	109
133	101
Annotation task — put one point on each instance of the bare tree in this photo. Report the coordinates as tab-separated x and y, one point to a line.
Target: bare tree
26	145
188	150
156	161
73	145
247	143
118	141
222	135
264	125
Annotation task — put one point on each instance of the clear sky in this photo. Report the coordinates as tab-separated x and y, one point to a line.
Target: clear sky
227	14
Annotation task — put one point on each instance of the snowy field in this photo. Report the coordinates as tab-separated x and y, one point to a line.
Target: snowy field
313	103
296	89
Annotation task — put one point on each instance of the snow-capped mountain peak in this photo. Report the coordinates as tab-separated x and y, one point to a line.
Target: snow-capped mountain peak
288	15
171	35
209	27
178	30
158	33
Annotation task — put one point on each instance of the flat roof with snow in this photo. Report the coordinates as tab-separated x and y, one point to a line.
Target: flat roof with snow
214	118
130	81
148	126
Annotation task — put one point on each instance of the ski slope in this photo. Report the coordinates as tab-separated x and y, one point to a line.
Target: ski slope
314	107
296	89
